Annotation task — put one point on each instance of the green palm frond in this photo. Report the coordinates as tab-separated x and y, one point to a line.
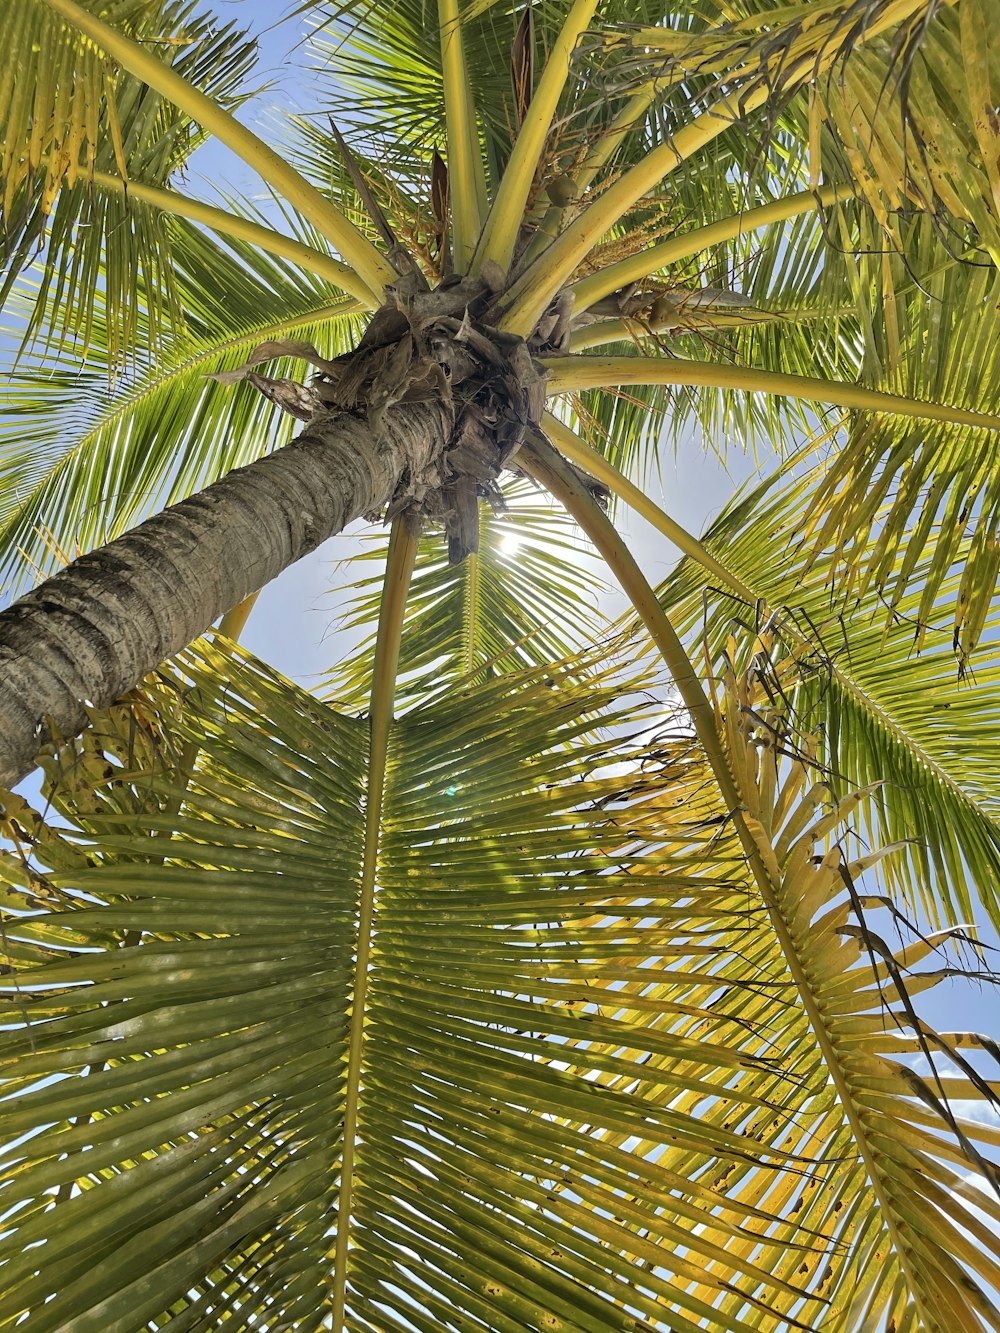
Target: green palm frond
581	1093
82	459
881	693
217	1189
938	334
85	114
526	597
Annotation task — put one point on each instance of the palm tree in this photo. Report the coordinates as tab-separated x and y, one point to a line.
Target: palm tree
534	973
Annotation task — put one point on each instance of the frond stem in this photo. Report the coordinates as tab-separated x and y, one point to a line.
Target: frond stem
571	446
467	181
230	224
606	372
636	107
605	331
401	557
503	224
233	623
142	62
472	607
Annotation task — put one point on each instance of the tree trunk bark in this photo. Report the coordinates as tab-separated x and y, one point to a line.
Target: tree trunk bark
99	626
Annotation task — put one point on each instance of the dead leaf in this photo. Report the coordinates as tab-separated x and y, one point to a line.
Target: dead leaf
522	64
439	198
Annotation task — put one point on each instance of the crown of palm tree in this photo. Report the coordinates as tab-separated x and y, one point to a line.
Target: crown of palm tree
533	974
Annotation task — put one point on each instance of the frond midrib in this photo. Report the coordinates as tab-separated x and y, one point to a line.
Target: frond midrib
400	560
910	743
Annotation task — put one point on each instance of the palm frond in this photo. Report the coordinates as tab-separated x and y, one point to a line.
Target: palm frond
935	330
903	1174
585	1096
82	459
773	297
908	113
222	1140
67	111
881	692
464	200
526	597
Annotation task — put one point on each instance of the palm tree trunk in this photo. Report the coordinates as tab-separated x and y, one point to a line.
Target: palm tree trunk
99	626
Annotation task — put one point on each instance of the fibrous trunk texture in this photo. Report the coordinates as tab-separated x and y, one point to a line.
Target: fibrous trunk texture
95	629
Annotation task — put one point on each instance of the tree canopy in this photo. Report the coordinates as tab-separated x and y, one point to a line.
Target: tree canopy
533	971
